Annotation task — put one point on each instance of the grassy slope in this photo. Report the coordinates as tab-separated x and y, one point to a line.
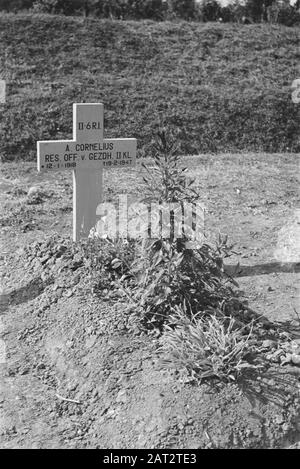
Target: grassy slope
220	87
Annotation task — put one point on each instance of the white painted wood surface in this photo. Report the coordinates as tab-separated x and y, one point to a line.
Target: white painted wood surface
87	154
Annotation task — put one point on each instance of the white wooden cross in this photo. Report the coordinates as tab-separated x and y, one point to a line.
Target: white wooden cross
86	155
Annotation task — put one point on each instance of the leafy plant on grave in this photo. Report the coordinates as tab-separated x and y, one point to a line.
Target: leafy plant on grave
106	260
165	273
212	348
183	292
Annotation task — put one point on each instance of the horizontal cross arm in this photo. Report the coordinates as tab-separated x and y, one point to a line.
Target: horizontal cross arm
50	154
69	154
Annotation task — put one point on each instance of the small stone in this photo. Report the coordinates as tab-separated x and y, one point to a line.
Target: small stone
295	359
90	342
60	248
110	413
275	356
35	195
44	276
25	431
271	382
286	358
76	279
77	258
285	427
44	259
295	344
268	344
121	396
33	191
279	419
59	292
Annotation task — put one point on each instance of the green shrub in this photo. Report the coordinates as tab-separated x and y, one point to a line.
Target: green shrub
185	9
66	7
107	260
166	272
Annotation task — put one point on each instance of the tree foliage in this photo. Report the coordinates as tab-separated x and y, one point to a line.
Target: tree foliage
210	10
185	9
15	5
248	11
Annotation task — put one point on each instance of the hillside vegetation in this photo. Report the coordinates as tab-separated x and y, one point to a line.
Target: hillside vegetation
218	87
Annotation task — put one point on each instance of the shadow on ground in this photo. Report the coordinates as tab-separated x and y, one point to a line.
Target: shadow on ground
26	293
279	388
262	269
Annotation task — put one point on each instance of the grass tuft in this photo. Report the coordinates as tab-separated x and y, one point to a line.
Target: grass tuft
211	348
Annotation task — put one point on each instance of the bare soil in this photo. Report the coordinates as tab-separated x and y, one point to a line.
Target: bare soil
78	374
